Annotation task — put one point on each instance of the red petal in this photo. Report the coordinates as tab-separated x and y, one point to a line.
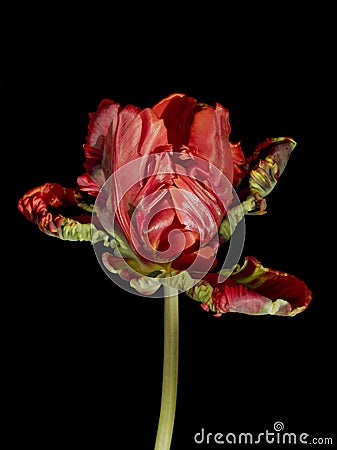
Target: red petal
232	297
203	259
203	128
177	112
239	161
116	137
88	183
254	289
273	284
209	137
193	214
158	225
139	133
101	121
205	196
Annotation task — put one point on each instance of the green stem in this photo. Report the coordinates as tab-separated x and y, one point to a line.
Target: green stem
170	369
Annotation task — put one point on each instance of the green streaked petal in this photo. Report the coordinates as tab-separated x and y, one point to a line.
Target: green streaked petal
201	292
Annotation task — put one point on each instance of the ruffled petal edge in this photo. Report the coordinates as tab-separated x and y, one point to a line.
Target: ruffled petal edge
252	289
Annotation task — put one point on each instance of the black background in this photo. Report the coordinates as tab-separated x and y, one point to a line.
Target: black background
84	357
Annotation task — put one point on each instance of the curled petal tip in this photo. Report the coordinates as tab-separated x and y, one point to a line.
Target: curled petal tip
291	141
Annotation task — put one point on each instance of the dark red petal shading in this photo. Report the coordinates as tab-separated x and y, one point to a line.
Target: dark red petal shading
202	259
177	112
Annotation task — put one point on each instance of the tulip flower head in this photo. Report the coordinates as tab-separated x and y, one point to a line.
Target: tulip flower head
163	189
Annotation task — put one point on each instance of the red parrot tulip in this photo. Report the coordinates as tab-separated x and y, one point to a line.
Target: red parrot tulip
158	192
163	188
